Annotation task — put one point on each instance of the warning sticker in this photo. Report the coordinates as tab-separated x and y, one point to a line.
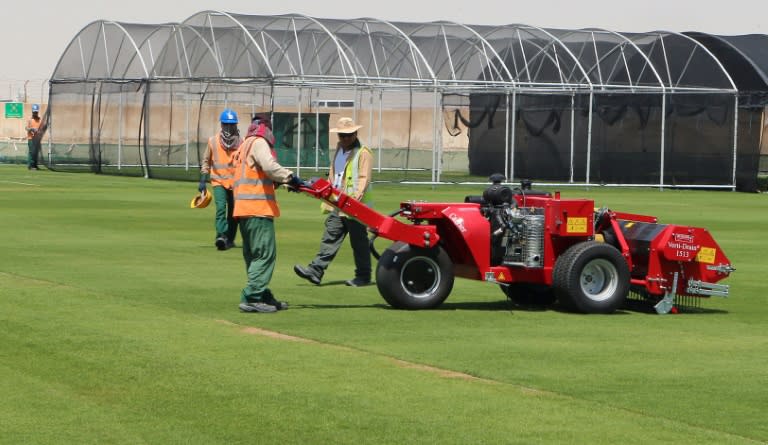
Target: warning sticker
576	225
706	255
501	276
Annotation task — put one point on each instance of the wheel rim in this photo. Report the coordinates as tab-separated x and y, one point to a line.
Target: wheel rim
420	277
599	280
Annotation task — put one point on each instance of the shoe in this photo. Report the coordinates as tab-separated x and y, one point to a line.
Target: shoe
221	243
304	272
279	305
257	306
358	282
230	244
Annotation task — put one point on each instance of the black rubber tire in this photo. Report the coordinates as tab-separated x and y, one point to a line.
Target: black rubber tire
529	294
592	278
410	277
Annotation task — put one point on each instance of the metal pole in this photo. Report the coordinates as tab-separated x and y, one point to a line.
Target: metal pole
186	136
317	132
589	134
506	139
435	148
573	130
514	132
381	123
120	132
298	145
735	137
663	131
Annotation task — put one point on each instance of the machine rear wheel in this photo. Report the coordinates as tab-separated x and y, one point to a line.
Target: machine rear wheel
410	277
591	277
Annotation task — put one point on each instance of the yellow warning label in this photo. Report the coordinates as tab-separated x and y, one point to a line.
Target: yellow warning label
501	276
706	255
576	225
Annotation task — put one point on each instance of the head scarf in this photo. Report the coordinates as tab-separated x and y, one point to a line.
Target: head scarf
230	136
262	128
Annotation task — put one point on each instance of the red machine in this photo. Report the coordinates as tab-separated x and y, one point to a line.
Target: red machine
538	247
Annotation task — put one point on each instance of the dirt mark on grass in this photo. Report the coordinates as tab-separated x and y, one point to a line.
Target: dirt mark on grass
447	373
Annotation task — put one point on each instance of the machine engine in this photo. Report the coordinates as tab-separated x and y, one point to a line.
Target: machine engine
517	233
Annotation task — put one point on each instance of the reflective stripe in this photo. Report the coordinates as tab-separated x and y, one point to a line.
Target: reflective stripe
250	181
255	197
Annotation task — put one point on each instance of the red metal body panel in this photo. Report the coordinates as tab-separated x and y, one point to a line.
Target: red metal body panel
686	250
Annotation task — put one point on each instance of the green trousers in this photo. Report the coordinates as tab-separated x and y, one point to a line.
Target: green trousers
33	153
225	205
259	253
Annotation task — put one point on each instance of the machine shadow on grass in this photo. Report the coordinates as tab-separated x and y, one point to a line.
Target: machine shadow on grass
631	306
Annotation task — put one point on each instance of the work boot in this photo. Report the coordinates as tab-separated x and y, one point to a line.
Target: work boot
358	282
221	243
270	299
279	305
257	306
306	273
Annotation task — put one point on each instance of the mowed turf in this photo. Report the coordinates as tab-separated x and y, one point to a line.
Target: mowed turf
119	324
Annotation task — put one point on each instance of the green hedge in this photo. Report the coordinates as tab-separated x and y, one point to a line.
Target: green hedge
762	183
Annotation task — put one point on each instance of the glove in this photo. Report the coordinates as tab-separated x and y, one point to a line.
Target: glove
201	186
294	183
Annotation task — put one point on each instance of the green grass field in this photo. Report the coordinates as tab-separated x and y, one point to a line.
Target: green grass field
119	325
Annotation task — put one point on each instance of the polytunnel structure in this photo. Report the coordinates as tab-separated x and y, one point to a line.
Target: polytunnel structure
438	101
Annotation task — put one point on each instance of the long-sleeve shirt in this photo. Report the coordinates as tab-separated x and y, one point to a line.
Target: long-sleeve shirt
261	154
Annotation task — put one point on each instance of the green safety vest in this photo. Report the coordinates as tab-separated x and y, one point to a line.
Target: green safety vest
351	175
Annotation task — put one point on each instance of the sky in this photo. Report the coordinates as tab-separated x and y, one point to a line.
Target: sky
35	34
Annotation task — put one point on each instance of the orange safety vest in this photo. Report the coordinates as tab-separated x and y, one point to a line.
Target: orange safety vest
32	123
254	191
222	165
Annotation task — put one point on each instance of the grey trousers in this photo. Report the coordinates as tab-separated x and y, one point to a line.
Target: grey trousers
336	229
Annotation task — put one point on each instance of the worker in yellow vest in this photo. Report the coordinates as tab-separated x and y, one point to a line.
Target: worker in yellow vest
350	171
256	173
217	165
33	138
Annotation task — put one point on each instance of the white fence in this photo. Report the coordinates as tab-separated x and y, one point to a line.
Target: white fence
26	90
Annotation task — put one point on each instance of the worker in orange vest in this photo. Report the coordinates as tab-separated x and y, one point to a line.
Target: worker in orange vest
33	137
256	173
217	165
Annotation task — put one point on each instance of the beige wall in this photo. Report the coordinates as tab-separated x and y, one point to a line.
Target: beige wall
71	125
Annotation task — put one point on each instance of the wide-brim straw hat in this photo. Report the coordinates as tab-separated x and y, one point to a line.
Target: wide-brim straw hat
345	125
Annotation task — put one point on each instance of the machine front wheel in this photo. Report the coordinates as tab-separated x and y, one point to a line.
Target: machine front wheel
591	277
410	277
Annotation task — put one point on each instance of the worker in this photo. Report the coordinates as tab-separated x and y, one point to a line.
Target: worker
256	172
34	135
217	166
350	171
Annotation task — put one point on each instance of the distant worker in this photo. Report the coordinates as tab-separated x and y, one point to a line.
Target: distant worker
218	166
350	171
34	135
256	172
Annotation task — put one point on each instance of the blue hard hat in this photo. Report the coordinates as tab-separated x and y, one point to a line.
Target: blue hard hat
36	108
228	116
